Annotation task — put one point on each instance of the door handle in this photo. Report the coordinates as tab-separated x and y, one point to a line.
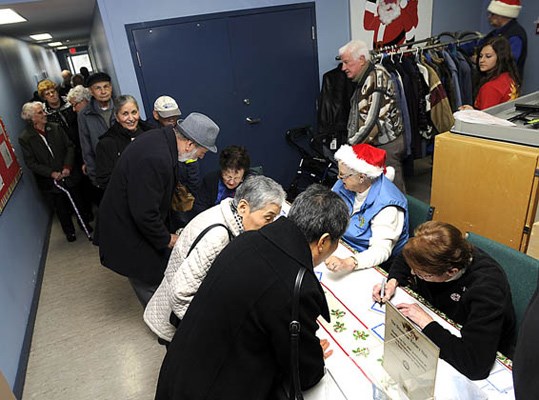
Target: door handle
252	121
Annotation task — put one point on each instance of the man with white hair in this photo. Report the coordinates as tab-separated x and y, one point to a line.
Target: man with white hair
133	236
375	117
167	113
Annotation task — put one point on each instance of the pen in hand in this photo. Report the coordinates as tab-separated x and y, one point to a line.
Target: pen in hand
383	291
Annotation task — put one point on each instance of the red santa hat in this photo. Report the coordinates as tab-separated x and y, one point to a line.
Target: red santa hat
505	8
365	159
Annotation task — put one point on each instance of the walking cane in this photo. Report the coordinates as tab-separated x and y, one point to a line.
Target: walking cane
82	224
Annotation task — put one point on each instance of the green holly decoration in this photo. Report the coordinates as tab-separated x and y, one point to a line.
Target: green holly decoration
360	335
339	326
361	351
338	313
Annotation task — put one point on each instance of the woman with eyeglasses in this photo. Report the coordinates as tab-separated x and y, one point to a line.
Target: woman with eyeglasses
234	163
378	226
465	284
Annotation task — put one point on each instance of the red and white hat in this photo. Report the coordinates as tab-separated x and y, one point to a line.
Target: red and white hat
365	159
505	8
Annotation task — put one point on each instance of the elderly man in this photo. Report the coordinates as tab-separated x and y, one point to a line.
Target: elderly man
65	87
133	236
374	114
502	16
234	340
166	112
95	119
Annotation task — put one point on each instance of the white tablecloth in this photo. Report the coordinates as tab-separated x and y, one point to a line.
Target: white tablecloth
356	338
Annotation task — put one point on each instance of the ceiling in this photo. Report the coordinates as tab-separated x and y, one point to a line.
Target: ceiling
68	21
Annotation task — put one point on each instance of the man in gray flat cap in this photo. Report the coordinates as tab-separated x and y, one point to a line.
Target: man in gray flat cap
133	236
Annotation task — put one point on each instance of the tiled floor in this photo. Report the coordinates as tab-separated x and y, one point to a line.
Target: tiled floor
90	341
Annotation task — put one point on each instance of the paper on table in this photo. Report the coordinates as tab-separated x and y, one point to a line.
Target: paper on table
480	117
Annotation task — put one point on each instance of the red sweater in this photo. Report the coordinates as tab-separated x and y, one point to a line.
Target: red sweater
496	91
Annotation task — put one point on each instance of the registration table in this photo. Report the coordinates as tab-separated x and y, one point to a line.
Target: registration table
356	335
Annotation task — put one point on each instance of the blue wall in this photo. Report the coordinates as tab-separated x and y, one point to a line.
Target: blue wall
24	222
332	27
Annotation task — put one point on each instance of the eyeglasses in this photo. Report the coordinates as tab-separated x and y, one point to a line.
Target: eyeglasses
346	176
422	276
232	178
50	92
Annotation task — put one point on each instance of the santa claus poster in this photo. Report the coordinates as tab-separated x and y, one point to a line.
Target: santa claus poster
390	22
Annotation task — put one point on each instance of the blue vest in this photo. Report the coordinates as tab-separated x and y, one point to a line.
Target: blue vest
383	193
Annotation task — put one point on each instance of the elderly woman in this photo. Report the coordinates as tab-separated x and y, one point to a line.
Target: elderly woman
78	97
49	154
234	163
465	284
256	203
378	226
113	142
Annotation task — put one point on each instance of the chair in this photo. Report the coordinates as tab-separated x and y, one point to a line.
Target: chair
418	212
522	271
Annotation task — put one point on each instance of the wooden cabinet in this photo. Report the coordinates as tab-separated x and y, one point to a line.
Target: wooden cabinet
486	186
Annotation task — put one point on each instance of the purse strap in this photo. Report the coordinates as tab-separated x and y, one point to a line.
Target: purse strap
294	329
201	235
173	319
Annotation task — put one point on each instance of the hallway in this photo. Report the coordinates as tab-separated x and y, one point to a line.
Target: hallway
90	341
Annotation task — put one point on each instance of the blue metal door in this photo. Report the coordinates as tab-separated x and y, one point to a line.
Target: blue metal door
254	72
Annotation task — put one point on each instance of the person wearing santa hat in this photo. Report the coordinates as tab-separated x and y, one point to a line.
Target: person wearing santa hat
378	227
502	16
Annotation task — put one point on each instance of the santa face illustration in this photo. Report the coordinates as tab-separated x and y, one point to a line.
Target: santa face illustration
392	21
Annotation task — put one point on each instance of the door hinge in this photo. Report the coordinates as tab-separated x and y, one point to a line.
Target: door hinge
313	32
138	59
527	230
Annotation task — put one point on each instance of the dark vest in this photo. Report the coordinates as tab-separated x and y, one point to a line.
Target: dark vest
513	28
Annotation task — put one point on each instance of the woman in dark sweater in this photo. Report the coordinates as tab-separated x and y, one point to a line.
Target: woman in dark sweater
464	283
113	142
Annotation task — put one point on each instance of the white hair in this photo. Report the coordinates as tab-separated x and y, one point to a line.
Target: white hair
28	110
79	93
356	48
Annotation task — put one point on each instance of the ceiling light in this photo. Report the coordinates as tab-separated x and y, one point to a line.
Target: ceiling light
41	36
61	48
55	44
8	16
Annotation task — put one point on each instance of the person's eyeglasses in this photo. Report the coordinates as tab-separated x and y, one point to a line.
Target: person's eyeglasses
49	93
230	178
423	276
346	176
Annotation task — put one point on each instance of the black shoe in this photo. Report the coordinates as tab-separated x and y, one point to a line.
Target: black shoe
71	237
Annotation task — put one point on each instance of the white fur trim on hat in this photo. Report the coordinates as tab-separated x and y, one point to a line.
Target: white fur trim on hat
347	155
390	173
509	9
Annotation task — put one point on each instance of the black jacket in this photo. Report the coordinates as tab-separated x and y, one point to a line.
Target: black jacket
233	342
133	234
525	365
110	147
41	162
480	301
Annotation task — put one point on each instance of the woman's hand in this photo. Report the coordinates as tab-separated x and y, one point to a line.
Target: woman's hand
325	346
465	107
415	313
335	264
389	291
